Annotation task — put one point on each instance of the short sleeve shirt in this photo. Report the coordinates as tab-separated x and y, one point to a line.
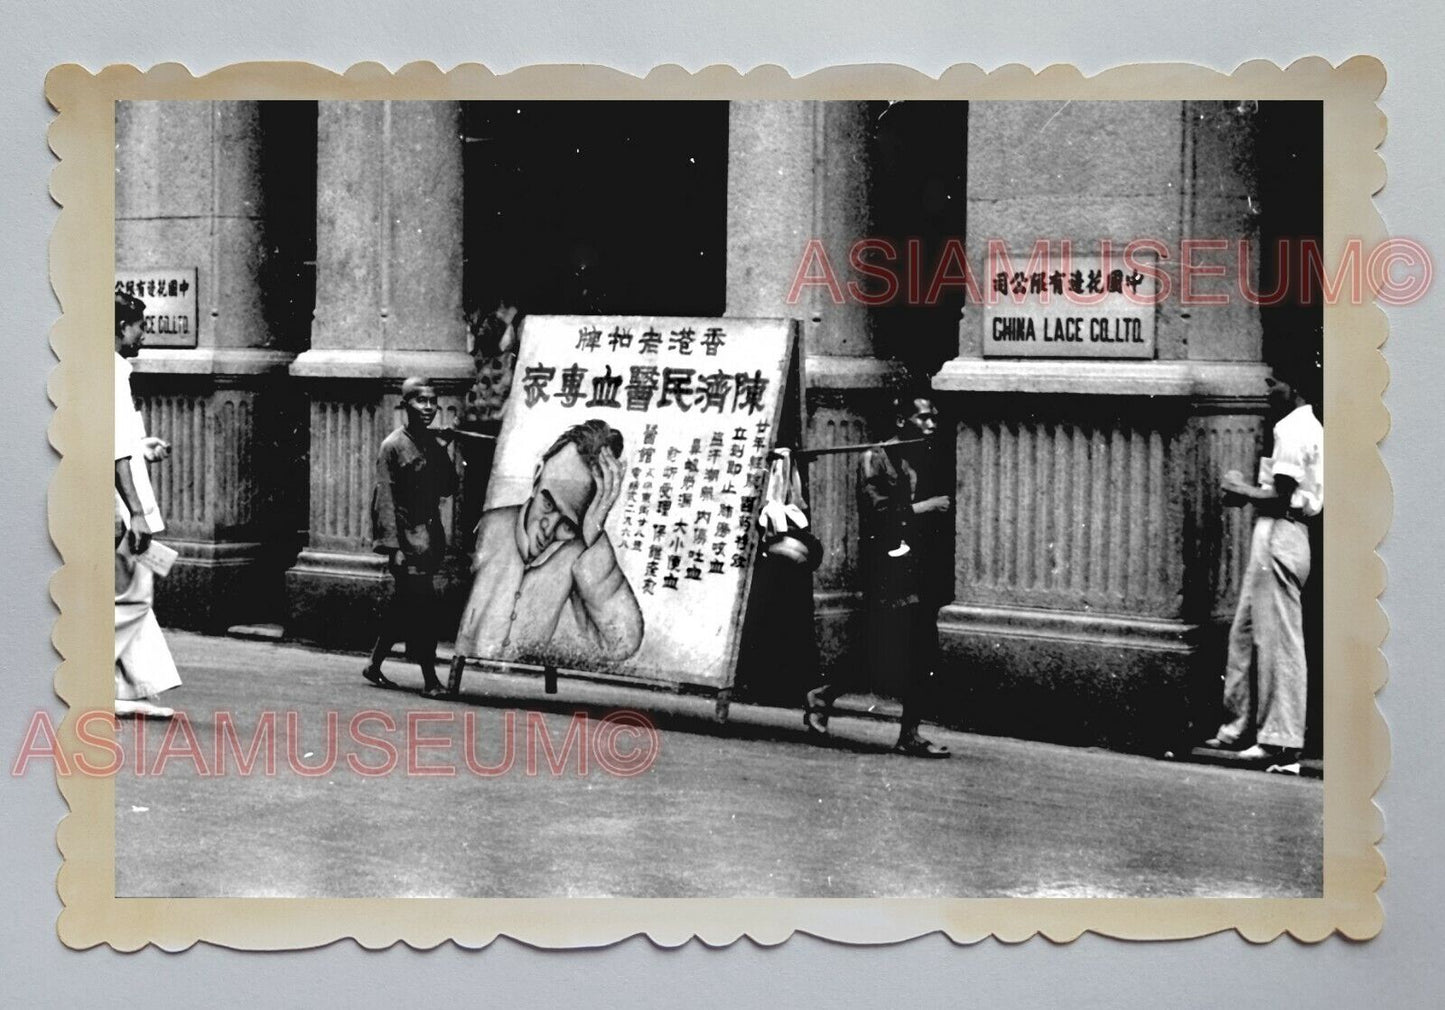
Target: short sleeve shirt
129	431
129	428
1299	440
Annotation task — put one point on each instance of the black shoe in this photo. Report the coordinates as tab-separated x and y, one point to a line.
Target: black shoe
433	690
378	678
914	745
815	713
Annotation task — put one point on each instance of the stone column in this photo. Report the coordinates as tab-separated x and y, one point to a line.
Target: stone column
193	190
388	305
1094	560
797	172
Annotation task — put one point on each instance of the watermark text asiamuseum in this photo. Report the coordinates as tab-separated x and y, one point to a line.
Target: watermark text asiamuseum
370	743
879	271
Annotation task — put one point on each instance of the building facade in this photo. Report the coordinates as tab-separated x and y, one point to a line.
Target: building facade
343	246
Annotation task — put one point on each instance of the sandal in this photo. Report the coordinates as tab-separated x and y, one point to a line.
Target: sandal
815	714
379	679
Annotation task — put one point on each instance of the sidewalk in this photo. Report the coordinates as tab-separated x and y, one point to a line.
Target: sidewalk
861	706
750	808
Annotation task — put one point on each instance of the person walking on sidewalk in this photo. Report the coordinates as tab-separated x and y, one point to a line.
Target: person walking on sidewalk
413	474
1265	676
143	663
902	609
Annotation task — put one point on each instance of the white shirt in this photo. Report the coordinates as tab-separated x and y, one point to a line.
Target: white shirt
1299	452
129	431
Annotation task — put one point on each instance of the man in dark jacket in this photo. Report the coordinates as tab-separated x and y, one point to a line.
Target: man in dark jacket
895	512
413	474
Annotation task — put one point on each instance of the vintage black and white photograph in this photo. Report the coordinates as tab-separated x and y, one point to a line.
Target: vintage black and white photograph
719	499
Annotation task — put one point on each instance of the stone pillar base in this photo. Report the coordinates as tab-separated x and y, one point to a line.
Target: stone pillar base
227	492
335	599
1123	683
213	586
1095	562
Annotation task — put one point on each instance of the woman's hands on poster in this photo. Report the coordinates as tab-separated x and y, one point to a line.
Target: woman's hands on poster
607	475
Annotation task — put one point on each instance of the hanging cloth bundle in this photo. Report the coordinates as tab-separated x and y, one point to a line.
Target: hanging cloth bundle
783	517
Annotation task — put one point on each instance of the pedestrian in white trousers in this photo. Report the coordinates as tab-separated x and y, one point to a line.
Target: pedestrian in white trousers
1265	676
143	663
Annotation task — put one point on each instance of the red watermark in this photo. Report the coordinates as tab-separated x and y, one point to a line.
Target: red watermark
371	743
1145	271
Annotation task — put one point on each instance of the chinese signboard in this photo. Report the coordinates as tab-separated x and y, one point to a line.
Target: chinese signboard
1093	309
649	552
170	296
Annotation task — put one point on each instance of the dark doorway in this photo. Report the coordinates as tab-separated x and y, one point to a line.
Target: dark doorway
1289	162
918	159
288	221
596	207
586	208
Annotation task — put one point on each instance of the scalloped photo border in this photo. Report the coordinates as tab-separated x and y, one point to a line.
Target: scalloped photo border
1354	626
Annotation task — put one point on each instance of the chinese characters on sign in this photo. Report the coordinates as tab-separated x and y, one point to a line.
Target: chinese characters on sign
697	403
1086	308
169	294
646	386
692	512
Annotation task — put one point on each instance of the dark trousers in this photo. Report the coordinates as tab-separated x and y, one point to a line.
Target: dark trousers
902	643
411	614
904	640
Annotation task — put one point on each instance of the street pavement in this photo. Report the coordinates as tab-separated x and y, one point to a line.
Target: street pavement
749	808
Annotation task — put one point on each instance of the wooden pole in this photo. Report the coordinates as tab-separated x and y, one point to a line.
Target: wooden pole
808	454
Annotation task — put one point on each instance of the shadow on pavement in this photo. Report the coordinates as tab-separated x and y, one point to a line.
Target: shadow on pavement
664	709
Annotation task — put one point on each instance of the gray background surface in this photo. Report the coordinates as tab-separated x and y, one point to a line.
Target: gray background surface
1400	968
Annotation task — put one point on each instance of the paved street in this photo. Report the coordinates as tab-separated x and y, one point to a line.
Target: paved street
746	809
